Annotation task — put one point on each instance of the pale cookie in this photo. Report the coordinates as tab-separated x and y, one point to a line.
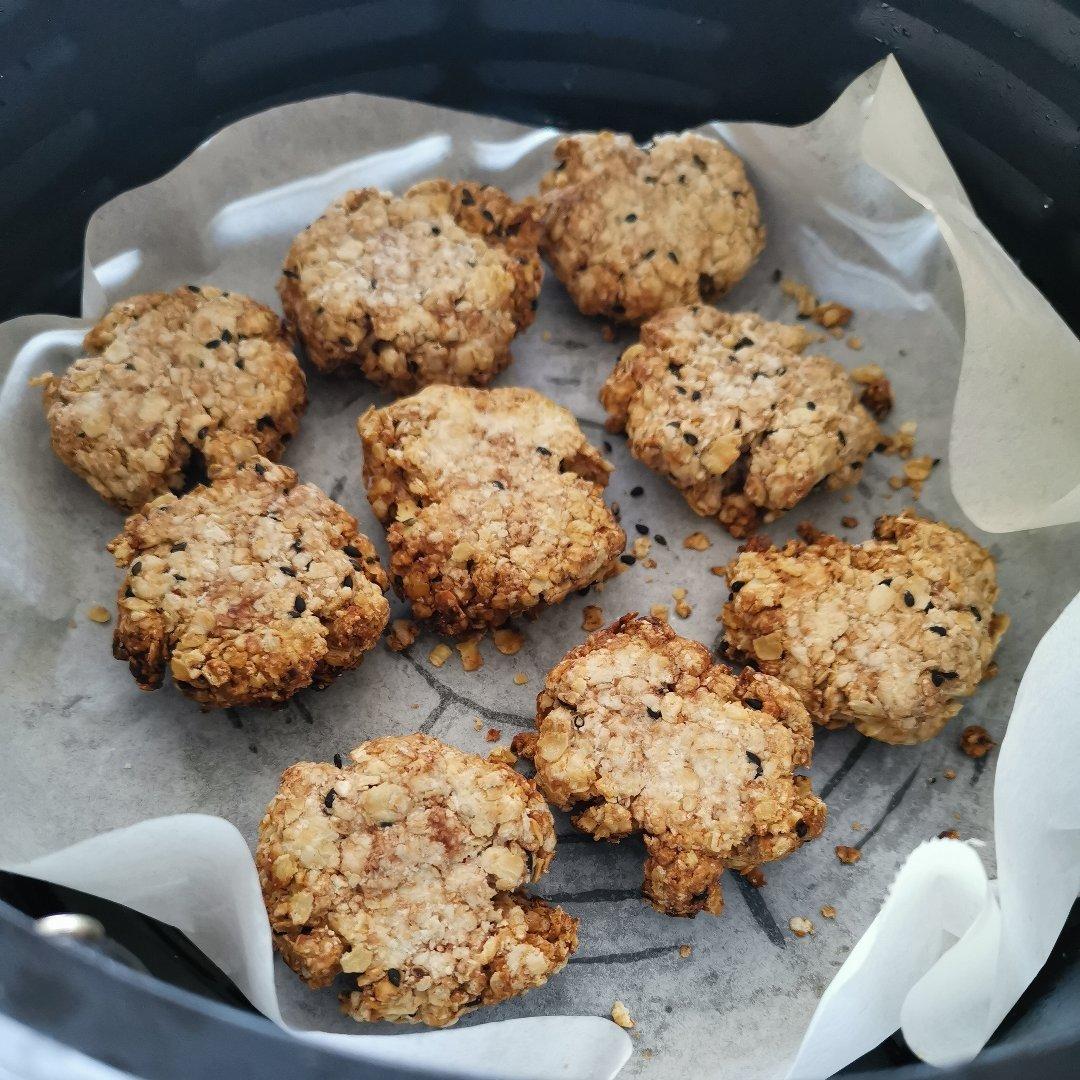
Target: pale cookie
639	731
246	591
889	635
173	385
731	411
633	230
403	868
493	503
428	288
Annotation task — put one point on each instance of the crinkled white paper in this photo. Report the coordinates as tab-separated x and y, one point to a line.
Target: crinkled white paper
861	205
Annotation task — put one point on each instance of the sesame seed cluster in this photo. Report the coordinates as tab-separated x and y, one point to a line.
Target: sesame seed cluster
632	230
492	501
173	383
639	731
402	867
889	635
733	412
431	287
246	590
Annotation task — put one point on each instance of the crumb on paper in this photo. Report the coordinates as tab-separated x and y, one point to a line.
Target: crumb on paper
948	834
402	634
950	774
685	951
40	380
99	614
641	547
682	608
858	826
520	679
592	618
848	855
849	522
478	724
828	911
829	315
755	877
854	342
621	1015
718	571
975	741
902	441
607	332
493	734
439	655
503	755
697	541
659	611
508	641
469	651
545	335
800	926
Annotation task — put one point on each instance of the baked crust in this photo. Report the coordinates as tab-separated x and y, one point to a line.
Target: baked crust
889	635
639	731
493	503
247	590
632	230
404	867
431	287
173	384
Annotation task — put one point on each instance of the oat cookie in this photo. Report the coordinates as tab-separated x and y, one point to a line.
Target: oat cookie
493	502
633	230
173	384
404	867
639	731
248	590
428	288
735	415
889	635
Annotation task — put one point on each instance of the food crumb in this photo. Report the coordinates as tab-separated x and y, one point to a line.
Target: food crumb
800	926
508	641
697	541
755	877
950	774
607	332
848	855
99	614
685	951
719	571
659	611
521	678
828	911
857	826
621	1015
493	734
503	755
592	618
546	335
469	651
849	522
478	724
439	655
975	741
948	834
641	547
403	633
854	342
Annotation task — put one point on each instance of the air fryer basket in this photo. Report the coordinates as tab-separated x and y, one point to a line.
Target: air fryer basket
98	98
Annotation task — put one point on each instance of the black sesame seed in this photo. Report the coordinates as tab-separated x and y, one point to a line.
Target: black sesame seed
435	230
929	606
885	581
260	468
129	367
630	217
299	605
777	275
240	364
950	675
347	581
337	761
690	438
297	546
607	447
499	484
661	539
179	577
737	585
202	433
752	702
699	162
291	274
880	448
636	492
487	215
810	405
543	451
843	439
182	546
937	677
213	344
649	254
352	552
673	257
674	368
288	570
801	828
909	600
643	530
618	309
939	630
328	799
467	198
136	567
628	559
265	422
194	288
650	179
226	336
682	178
742	343
976	612
394	976
755	761
696	395
654	713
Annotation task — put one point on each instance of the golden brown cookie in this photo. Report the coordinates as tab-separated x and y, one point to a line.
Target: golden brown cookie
493	503
889	635
639	731
173	384
403	867
246	591
731	411
427	288
632	230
